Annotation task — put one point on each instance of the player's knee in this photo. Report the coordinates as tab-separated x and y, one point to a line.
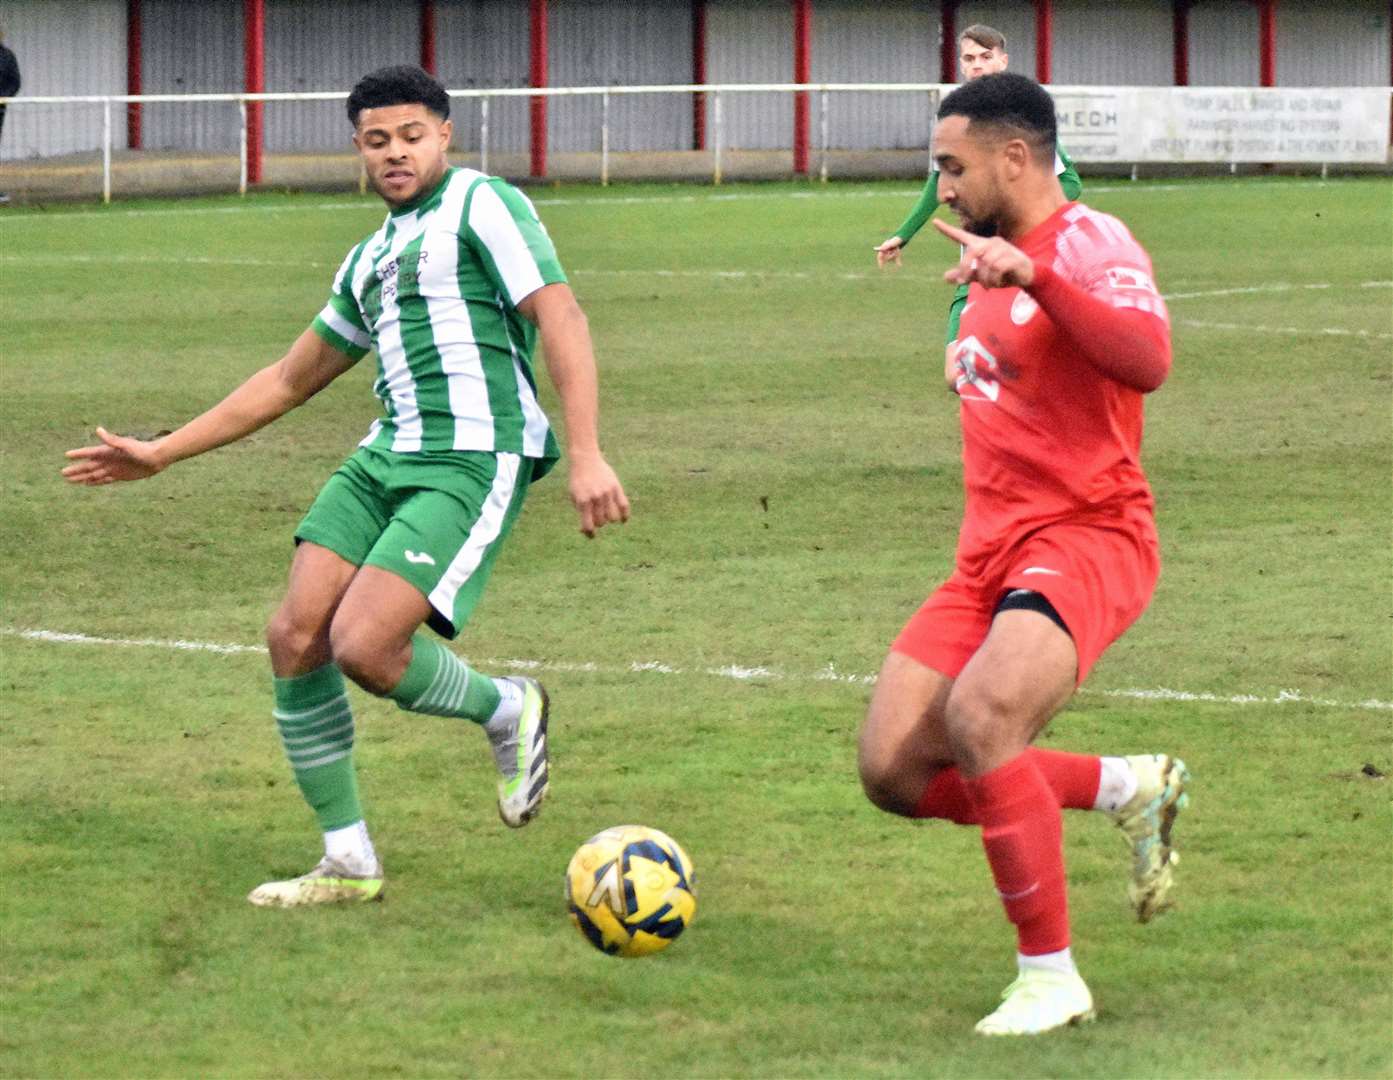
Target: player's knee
880	771
362	656
289	638
976	719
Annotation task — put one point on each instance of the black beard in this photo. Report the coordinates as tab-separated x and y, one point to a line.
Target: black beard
983	228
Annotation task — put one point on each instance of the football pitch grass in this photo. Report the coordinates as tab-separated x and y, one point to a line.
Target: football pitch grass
774	406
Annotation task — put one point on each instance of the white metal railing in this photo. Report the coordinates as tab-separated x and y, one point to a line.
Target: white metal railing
605	93
1254	124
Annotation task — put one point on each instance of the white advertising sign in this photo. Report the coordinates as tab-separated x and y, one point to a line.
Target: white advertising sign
1224	124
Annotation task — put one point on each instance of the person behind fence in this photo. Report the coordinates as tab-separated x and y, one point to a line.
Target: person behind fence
1064	333
452	292
981	51
9	86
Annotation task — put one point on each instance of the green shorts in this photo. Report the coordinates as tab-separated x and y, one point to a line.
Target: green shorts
435	520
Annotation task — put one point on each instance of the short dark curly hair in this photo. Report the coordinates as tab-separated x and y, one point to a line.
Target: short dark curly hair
1018	107
402	84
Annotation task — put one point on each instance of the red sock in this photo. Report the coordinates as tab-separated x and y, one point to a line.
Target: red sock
946	798
1022	832
1072	777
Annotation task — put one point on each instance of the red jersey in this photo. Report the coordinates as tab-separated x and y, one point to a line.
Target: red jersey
1047	436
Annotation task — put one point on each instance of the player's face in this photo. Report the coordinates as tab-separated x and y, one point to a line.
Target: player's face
969	176
978	60
403	148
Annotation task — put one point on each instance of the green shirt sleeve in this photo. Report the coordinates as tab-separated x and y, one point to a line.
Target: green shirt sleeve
340	322
923	210
1068	175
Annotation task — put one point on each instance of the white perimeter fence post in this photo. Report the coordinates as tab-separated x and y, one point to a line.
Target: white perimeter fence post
933	119
822	172
716	136
242	147
106	149
484	134
604	139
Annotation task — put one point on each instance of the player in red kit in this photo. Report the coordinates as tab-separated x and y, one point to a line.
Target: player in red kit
1063	333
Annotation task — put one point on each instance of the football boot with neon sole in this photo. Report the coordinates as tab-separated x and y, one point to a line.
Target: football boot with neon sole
1147	821
521	756
1039	1001
328	883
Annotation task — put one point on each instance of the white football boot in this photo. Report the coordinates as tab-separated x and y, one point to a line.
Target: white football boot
1147	820
521	755
328	883
1039	1001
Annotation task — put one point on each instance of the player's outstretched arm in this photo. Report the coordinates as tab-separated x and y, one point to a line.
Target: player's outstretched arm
309	366
595	489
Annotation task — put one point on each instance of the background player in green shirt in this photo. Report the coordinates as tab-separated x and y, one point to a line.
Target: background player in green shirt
981	51
451	292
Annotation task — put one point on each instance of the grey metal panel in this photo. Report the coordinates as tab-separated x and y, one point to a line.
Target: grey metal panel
751	41
191	49
896	40
329	45
640	43
482	43
1016	20
64	47
1224	43
1106	43
1339	43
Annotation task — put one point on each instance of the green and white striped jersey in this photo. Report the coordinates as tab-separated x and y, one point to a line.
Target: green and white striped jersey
435	292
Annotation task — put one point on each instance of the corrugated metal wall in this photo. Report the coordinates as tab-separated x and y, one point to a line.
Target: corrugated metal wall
1093	46
483	43
1224	43
64	47
856	43
191	49
642	43
329	45
78	46
1340	43
751	41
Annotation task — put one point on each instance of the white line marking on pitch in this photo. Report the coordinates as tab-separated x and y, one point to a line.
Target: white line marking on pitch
731	275
1275	287
737	672
1317	331
14	218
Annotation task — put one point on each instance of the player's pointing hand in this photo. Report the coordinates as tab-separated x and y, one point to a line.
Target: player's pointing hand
990	261
116	458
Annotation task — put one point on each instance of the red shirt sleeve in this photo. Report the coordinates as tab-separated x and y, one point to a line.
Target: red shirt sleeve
1130	343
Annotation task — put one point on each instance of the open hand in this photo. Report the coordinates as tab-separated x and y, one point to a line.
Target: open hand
115	458
597	494
888	252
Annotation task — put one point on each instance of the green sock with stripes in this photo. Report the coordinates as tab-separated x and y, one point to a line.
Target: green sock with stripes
439	683
316	727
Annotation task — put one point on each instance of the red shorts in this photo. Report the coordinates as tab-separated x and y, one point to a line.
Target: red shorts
1099	579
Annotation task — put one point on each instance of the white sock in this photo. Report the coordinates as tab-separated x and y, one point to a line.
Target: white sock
509	704
351	847
1116	785
1061	962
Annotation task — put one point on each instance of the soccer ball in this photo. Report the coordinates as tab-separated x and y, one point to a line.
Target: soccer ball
630	890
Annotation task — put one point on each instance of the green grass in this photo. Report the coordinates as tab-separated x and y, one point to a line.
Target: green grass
793	467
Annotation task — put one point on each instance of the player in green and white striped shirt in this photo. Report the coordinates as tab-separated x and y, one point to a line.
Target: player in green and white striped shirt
451	292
